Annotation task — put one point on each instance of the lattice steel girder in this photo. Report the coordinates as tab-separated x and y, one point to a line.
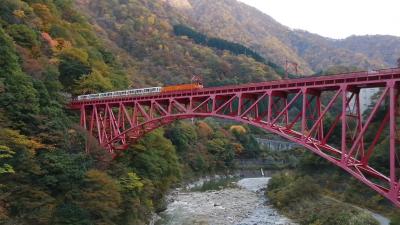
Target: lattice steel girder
293	109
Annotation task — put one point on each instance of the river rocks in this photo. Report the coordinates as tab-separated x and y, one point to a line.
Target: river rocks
241	206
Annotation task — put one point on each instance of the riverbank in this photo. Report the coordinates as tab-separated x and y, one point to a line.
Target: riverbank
241	204
303	200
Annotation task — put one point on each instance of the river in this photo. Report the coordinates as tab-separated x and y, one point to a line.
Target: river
243	204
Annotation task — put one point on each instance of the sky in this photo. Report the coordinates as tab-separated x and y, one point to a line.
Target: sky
335	18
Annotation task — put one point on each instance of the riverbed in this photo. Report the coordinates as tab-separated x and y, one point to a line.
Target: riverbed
242	204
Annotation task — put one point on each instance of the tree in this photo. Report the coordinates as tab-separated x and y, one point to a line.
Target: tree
73	65
19	99
23	35
93	83
100	197
131	183
5	152
183	136
395	220
204	130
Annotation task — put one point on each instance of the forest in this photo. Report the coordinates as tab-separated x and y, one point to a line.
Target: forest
50	52
221	44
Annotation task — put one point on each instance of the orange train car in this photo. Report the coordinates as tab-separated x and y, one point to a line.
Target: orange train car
182	87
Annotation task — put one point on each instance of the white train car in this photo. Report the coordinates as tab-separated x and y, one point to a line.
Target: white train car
130	92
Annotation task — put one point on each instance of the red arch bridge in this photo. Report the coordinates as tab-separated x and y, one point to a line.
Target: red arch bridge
324	114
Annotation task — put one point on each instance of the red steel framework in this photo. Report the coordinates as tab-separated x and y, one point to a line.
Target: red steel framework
323	114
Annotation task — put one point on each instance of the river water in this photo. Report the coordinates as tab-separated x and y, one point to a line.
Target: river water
244	204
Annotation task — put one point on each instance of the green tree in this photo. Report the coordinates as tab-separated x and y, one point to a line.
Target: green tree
131	183
6	152
23	35
183	135
395	220
94	82
100	197
73	65
19	99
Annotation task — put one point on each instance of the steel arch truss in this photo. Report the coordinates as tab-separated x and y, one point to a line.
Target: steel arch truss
325	118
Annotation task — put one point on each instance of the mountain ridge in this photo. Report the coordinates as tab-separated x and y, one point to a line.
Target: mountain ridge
235	21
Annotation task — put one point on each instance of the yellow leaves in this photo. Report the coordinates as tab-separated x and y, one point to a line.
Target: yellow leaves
62	44
6	152
131	182
10	140
151	20
94	82
42	11
238	148
100	195
54	61
20	14
204	130
166	48
76	54
165	25
141	19
12	137
237	128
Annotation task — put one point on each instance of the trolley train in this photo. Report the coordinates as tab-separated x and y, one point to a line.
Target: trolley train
142	91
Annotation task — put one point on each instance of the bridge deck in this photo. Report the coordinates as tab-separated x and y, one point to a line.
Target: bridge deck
329	82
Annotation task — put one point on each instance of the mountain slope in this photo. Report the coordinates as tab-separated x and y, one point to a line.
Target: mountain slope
143	31
379	47
235	21
49	51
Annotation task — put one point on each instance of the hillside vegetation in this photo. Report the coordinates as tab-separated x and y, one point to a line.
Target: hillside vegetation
144	31
49	52
237	22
